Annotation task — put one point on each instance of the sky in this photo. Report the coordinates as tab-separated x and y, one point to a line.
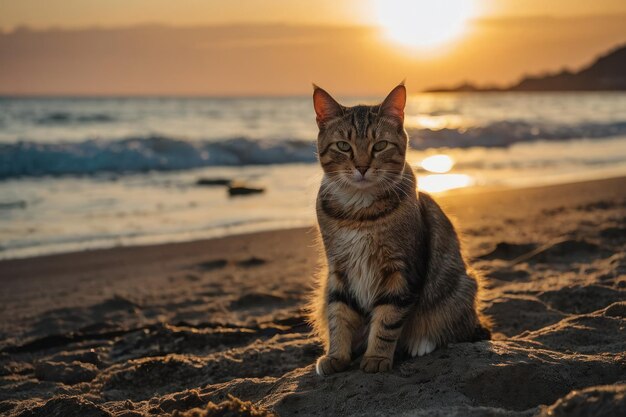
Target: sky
278	47
80	13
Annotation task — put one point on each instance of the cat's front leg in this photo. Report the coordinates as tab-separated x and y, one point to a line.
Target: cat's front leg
343	323
387	320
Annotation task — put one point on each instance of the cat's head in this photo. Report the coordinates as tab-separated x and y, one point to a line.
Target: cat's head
362	146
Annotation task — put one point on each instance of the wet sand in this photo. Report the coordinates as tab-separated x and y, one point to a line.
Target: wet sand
178	329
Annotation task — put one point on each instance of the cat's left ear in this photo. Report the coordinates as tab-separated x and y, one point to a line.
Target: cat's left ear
326	108
393	105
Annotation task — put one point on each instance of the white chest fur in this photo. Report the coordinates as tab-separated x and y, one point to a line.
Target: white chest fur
357	252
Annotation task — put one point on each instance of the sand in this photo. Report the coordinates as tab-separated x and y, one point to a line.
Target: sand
193	328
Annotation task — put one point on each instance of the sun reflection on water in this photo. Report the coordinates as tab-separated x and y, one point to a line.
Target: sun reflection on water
441	180
438	163
436	183
432	122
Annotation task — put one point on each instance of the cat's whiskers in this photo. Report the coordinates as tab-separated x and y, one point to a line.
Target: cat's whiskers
334	186
390	184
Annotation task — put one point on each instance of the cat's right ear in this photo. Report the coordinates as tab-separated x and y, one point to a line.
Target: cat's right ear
326	108
393	106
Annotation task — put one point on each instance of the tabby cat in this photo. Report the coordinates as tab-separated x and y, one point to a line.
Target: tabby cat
396	277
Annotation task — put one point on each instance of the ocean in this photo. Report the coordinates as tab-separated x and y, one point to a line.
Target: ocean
86	173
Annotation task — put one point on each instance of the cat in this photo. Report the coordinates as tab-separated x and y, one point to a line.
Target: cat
396	278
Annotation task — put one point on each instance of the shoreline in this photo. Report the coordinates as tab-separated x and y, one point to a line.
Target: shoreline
218	233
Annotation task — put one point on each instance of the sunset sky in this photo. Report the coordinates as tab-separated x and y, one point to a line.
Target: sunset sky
278	47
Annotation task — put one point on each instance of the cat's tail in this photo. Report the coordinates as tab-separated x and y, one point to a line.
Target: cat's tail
481	332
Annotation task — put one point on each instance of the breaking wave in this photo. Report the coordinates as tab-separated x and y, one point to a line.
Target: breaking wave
154	153
162	153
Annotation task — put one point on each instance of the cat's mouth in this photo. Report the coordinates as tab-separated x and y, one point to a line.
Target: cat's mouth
362	182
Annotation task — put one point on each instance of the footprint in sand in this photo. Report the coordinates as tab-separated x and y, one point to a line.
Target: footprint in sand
513	315
586	334
614	234
544	381
509	275
508	251
255	300
67	373
581	299
569	250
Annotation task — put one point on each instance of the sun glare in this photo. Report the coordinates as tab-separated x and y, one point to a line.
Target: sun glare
437	183
439	163
423	24
441	180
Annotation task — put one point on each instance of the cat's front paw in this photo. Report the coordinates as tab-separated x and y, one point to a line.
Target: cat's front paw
373	364
328	365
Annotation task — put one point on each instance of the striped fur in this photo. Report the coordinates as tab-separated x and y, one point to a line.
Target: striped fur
396	278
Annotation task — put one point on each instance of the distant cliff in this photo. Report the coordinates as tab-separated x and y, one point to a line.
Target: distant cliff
606	73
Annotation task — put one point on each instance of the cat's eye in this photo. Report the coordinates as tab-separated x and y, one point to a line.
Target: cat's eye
379	146
343	146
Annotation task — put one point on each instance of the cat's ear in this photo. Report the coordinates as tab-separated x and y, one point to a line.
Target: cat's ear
326	108
393	105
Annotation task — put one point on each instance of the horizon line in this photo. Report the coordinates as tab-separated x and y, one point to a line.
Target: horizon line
25	27
38	96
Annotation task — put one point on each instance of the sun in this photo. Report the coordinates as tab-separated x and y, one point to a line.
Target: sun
423	24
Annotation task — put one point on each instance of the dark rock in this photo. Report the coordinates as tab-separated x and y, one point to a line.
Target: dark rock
212	265
237	189
13	205
213	182
253	261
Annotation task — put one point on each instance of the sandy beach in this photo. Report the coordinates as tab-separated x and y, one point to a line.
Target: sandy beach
190	329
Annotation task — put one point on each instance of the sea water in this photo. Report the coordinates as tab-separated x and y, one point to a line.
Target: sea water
85	173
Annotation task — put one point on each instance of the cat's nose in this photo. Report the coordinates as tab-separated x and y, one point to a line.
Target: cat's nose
362	170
